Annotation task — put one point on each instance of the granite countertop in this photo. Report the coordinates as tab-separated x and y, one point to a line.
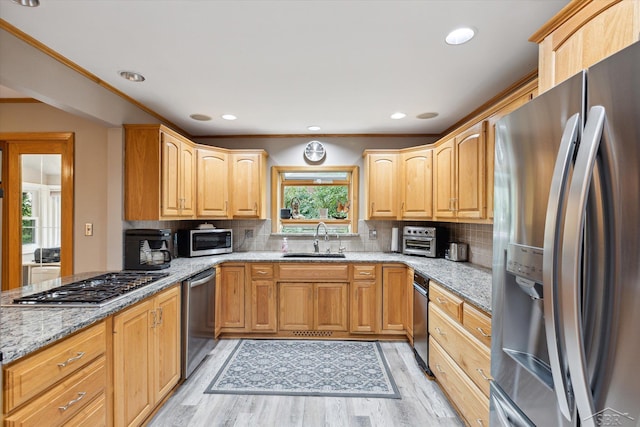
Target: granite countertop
24	329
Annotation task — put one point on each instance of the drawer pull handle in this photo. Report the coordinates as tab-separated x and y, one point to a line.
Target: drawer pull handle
483	333
78	356
365	273
261	272
441	300
481	372
479	421
81	395
439	369
439	331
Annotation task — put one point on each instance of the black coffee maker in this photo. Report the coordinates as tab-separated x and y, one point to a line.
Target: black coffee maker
147	249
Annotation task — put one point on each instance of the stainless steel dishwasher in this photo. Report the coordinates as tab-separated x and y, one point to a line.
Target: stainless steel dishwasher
198	319
421	321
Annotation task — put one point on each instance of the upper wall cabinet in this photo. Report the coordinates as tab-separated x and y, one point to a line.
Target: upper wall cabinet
416	180
159	173
459	175
248	179
381	184
213	183
583	33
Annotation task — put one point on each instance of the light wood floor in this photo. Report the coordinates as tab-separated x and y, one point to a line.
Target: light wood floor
422	403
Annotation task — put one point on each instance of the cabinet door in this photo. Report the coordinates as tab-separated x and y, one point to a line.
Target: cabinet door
187	180
167	342
596	31
263	306
247	184
382	180
470	169
417	174
393	298
330	311
133	343
231	298
171	158
212	184
296	307
364	307
443	185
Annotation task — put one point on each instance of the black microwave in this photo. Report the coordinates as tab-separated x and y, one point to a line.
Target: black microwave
208	241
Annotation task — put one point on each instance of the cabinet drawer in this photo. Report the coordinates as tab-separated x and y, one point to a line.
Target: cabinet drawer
478	323
314	272
364	272
65	400
448	302
92	415
471	403
261	271
472	356
30	376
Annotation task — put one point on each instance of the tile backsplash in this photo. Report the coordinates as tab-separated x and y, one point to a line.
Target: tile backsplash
479	237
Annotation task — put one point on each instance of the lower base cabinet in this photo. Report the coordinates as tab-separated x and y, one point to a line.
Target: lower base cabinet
146	348
313	307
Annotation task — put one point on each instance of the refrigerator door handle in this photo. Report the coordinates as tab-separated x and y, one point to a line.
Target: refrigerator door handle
552	245
571	264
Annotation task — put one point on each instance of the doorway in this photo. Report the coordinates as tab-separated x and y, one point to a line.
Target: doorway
38	206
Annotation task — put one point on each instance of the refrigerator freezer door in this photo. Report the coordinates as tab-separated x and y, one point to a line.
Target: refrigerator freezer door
527	146
606	360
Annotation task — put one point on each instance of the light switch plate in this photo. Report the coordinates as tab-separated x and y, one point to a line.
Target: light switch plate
373	234
88	229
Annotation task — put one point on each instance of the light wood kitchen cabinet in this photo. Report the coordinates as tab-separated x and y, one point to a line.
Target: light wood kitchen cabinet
263	299
71	374
146	349
159	174
443	179
313	306
364	299
394	294
459	352
248	179
212	183
381	184
417	184
230	298
583	33
178	177
459	175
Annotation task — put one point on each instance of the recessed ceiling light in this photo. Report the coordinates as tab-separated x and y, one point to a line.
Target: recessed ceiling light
229	117
28	3
200	117
430	115
132	76
460	35
314	127
398	115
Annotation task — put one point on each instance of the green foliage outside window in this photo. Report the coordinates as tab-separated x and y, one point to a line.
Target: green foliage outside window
312	198
28	225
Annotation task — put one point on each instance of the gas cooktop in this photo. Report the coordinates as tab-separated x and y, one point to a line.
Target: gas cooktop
94	291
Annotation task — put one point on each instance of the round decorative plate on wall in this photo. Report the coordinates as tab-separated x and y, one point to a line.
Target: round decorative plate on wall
314	151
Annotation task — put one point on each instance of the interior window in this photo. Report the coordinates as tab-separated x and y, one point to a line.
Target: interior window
305	196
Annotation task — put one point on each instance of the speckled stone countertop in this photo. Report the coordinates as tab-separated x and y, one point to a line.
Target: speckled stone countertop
24	329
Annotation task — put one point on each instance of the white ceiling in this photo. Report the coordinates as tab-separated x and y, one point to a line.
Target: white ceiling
280	66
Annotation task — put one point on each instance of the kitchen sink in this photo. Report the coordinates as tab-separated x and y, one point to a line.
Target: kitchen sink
311	255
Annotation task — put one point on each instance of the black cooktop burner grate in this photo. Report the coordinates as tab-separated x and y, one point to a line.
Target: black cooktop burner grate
93	291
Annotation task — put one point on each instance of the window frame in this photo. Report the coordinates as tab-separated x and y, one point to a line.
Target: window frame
277	196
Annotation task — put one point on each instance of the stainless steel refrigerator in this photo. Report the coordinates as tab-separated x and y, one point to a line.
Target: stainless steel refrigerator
566	253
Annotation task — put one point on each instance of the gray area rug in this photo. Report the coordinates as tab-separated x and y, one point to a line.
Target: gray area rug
306	368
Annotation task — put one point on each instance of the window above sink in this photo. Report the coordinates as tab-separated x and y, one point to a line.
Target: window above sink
304	196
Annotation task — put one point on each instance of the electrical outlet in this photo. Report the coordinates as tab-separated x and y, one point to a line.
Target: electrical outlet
248	234
373	234
88	229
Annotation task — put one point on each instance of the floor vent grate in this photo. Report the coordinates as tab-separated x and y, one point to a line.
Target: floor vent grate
312	333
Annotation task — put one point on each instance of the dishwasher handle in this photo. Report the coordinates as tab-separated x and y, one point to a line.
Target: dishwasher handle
420	290
201	278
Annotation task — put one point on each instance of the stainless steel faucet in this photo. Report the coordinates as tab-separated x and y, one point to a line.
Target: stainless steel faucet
316	244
